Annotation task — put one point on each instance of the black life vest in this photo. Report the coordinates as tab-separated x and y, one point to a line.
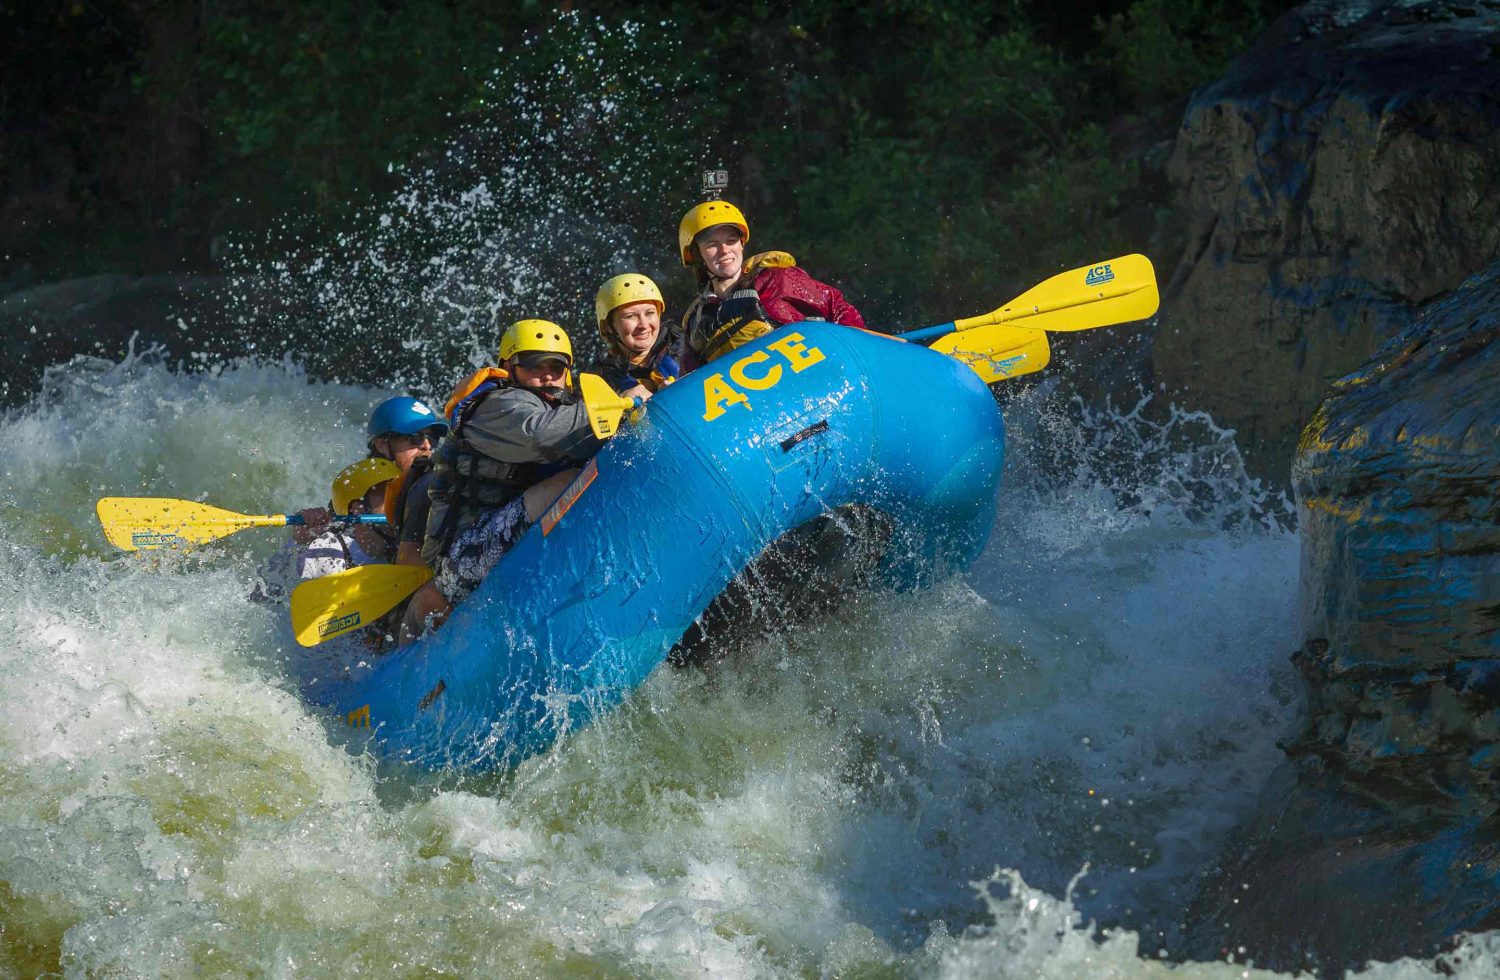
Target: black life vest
395	511
659	369
467	480
703	328
704	325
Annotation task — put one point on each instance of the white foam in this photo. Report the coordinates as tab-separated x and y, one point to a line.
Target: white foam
816	805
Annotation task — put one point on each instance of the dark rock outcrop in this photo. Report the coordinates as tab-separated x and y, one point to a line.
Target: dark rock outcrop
1398	487
1381	837
1345	172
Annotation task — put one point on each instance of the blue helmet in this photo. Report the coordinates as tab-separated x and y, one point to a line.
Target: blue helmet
404	416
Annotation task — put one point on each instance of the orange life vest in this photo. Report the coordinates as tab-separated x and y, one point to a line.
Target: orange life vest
467	386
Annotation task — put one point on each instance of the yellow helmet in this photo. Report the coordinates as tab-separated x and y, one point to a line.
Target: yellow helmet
704	217
632	287
542	336
358	479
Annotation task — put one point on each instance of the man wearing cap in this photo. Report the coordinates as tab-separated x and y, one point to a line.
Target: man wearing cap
518	434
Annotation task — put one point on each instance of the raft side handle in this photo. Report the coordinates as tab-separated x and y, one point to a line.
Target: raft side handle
432	695
791	442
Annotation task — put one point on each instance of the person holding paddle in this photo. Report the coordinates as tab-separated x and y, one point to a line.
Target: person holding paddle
401	430
1008	342
638	364
517	439
739	299
358	489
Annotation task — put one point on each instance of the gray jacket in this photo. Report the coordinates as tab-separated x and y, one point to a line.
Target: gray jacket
504	439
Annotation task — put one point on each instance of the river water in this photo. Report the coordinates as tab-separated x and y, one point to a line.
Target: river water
1021	771
951	783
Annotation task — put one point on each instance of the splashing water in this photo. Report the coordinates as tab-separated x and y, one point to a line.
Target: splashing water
909	787
1104	688
532	203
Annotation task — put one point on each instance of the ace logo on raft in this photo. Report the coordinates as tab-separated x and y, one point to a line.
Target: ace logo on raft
760	371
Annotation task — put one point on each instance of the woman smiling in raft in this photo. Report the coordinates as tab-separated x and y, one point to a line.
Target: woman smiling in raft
637	364
741	299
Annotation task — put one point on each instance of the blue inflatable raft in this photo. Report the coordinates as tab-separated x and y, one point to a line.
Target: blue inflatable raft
716	468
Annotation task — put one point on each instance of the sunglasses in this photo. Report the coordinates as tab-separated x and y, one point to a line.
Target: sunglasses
415	438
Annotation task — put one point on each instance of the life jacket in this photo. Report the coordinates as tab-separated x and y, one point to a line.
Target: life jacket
465	479
659	369
767	260
467	388
700	324
349	553
664	372
344	547
399	489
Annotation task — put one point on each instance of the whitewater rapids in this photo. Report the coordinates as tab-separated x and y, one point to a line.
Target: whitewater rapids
953	783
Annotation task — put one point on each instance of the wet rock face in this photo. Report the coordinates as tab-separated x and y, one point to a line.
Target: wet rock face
96	315
1398	488
1380	837
1330	878
1345	172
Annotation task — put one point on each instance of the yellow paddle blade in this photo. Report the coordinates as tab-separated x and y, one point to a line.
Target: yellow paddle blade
604	406
998	353
147	523
1117	291
333	605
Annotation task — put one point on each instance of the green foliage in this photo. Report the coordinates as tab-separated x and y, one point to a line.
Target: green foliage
990	169
929	156
313	105
1159	50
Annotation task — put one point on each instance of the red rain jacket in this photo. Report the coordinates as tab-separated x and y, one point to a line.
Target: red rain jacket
788	295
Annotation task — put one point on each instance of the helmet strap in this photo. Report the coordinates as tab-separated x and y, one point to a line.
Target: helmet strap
549	393
664	338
